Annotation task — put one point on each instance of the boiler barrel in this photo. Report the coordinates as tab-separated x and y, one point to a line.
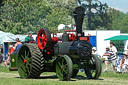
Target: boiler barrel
62	48
75	49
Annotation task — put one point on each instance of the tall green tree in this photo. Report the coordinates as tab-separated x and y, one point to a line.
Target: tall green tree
112	15
96	13
121	23
57	16
20	16
67	4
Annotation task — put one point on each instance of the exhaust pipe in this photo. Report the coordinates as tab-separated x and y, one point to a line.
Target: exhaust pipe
79	17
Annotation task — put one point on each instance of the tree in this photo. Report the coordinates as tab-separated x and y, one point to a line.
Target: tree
112	15
57	16
19	17
95	13
120	23
67	4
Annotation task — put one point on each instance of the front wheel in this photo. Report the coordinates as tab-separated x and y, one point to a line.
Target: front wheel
95	70
64	68
29	61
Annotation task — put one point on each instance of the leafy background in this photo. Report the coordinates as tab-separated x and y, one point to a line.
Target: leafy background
21	16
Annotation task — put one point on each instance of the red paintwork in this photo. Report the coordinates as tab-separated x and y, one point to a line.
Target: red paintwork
54	39
25	61
72	37
41	39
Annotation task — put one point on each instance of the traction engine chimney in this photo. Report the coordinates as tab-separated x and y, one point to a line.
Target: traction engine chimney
79	17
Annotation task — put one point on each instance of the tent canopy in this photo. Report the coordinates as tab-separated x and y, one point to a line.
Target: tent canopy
3	36
121	37
9	37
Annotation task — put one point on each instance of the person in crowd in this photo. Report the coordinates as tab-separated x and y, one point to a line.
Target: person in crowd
11	50
113	57
94	51
17	46
106	55
29	38
1	57
1	49
1	53
124	62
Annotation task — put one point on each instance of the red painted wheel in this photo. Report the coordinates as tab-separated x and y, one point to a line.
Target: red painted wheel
43	38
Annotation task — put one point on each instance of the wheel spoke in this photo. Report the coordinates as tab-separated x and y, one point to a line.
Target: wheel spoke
21	65
22	57
65	65
42	44
29	64
43	38
62	74
64	70
23	68
40	37
27	54
30	59
27	68
60	65
59	72
62	61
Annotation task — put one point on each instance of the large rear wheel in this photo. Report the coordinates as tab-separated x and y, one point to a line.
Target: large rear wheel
95	70
64	68
29	61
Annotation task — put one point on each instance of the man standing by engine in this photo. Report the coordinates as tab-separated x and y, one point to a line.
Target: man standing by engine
113	58
29	38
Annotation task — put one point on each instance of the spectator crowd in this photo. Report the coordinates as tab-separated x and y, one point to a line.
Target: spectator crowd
111	57
13	49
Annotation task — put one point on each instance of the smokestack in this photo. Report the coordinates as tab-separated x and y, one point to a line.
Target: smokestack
79	17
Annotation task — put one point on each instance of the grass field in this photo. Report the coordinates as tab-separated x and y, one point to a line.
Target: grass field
107	78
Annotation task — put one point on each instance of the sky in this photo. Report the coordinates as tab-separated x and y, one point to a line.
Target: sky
121	5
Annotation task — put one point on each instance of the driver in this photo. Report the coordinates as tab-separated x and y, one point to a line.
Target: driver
29	38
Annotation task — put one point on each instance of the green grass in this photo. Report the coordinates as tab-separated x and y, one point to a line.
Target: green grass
107	78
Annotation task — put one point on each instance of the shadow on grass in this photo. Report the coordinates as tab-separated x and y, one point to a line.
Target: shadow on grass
78	77
44	77
48	77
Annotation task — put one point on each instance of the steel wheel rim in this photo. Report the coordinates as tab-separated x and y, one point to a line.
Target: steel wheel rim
24	62
93	71
64	68
95	65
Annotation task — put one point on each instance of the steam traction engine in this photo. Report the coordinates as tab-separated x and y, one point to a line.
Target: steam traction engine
65	58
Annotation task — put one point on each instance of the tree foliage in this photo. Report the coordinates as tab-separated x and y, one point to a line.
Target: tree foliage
57	16
121	23
21	16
